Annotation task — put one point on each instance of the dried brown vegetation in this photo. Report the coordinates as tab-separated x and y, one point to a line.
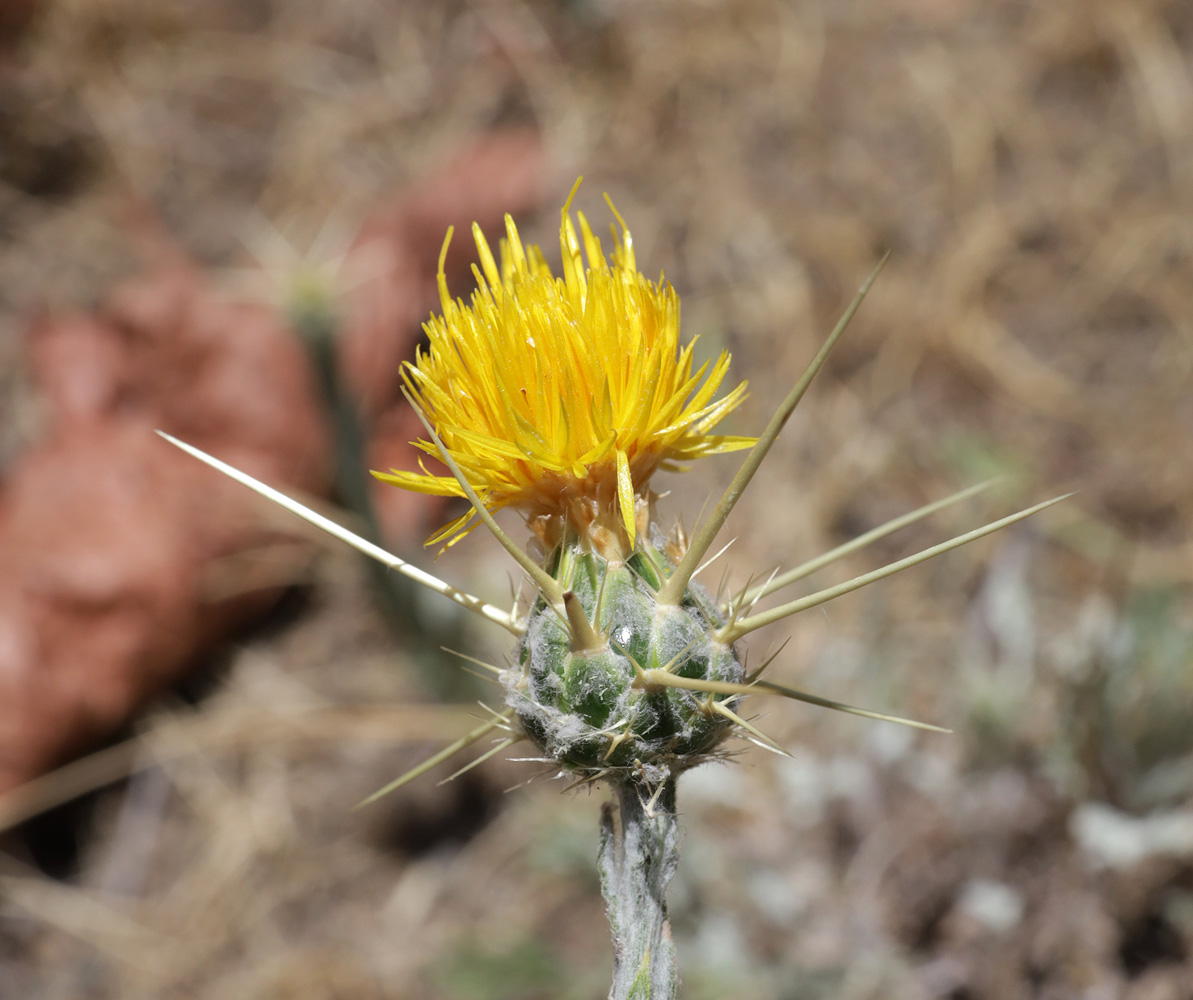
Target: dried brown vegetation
1031	167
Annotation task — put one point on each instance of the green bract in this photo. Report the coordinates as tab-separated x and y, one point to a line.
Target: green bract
583	707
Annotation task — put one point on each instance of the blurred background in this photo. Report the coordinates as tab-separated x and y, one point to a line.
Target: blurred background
221	218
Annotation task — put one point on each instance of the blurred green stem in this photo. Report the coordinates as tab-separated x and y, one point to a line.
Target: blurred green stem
638	857
316	324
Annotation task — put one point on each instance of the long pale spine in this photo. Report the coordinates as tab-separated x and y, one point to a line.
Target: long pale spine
638	857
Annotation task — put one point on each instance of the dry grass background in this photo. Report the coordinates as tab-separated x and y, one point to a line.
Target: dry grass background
1030	166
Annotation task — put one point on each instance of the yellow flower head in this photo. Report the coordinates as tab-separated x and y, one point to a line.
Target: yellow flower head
561	396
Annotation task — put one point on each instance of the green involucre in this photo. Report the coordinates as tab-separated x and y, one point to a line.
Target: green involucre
583	709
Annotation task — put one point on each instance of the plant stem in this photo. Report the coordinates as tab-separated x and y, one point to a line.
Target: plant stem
637	858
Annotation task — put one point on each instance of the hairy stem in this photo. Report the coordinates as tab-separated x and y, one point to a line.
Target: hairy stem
638	856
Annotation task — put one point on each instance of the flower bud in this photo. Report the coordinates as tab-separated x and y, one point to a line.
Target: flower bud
590	709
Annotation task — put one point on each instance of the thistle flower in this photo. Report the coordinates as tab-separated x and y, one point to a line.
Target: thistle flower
560	397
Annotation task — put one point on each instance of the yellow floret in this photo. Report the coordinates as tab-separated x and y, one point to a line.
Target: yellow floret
562	396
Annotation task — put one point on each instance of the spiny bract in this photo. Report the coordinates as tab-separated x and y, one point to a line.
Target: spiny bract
560	397
582	706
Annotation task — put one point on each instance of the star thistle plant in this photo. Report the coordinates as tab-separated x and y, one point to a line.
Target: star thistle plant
560	396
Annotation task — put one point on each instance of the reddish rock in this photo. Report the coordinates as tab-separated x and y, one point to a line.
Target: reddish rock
109	537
